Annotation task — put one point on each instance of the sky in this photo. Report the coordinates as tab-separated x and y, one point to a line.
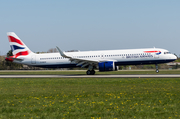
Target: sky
91	24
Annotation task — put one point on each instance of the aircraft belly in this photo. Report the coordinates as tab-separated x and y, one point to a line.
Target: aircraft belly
141	62
57	66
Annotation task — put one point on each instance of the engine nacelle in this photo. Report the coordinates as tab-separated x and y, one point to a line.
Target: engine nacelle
107	66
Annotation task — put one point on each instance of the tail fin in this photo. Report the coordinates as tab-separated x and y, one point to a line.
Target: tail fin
17	46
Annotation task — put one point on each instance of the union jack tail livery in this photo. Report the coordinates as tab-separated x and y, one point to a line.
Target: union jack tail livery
17	46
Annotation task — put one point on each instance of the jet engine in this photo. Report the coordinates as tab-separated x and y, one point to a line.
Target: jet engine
107	66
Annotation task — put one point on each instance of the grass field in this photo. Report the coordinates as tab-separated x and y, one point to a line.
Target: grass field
83	72
91	98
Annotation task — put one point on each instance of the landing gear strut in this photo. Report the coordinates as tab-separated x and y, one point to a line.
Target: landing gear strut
157	71
90	72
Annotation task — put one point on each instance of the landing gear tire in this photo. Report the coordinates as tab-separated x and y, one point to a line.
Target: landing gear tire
90	72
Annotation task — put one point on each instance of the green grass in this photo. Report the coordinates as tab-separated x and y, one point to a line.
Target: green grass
71	72
91	98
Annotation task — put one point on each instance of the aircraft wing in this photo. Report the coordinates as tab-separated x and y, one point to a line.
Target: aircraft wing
78	61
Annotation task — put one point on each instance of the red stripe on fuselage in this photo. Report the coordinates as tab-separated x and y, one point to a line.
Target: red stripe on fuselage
151	51
12	39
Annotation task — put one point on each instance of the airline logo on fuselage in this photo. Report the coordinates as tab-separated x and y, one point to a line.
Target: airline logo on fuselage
155	51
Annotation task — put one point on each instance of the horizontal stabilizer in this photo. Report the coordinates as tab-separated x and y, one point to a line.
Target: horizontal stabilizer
12	59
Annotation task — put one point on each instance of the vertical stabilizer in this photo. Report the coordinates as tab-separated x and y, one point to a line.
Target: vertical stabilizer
17	46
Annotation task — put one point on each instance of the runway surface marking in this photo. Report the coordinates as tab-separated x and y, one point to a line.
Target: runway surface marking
91	76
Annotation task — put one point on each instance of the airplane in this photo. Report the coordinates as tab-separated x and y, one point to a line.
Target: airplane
104	60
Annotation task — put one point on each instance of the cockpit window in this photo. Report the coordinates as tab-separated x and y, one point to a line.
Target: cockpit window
167	53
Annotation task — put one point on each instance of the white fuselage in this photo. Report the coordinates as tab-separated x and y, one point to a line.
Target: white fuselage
119	57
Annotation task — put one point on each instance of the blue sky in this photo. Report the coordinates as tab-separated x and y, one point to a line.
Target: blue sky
91	25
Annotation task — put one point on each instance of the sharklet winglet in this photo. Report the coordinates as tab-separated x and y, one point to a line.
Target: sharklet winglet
62	54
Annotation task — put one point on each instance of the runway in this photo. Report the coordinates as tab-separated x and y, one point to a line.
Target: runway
92	76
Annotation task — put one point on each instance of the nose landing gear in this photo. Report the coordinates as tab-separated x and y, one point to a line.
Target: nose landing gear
157	70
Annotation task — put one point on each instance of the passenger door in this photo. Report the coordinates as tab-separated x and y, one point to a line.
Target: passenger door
33	59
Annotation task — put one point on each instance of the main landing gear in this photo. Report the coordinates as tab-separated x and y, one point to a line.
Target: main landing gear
90	72
157	71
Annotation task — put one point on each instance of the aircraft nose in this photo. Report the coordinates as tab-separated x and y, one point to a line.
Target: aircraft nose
174	57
